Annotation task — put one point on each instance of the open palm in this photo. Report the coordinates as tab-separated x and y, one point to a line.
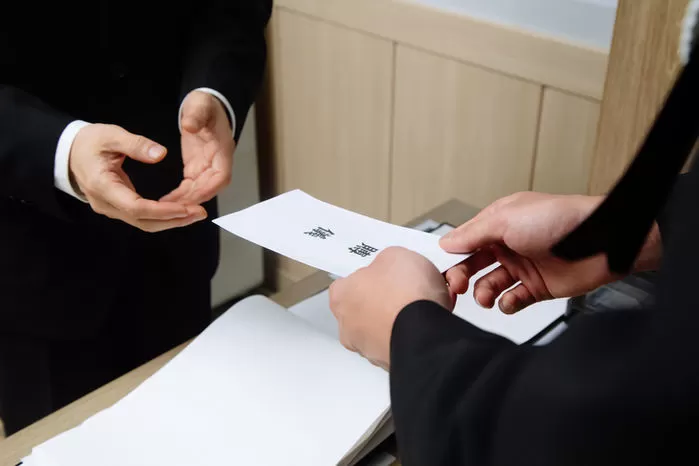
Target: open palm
207	149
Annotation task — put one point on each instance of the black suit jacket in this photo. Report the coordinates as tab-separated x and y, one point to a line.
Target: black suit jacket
128	63
616	388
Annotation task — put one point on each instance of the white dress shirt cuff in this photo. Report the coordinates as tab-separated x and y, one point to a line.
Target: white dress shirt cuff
220	97
61	167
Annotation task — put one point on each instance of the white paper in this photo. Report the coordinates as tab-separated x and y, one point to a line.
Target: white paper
327	237
316	311
259	386
519	328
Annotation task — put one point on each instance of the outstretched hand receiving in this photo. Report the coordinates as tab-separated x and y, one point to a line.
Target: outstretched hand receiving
207	149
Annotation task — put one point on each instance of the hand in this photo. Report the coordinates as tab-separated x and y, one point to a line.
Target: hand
207	149
96	159
519	231
367	302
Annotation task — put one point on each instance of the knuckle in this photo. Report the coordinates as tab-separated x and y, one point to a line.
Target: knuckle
138	143
346	342
483	283
100	128
391	251
113	130
335	293
520	196
113	135
205	99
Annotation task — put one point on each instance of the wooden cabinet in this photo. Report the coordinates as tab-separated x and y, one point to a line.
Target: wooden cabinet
459	132
332	98
566	143
643	65
333	93
390	108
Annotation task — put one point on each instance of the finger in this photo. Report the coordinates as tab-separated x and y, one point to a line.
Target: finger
522	269
516	299
383	365
491	285
178	193
131	206
136	147
453	297
334	294
205	187
472	236
457	279
459	275
154	226
197	111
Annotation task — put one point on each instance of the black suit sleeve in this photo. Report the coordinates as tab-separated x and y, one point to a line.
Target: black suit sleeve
227	52
595	395
29	133
669	212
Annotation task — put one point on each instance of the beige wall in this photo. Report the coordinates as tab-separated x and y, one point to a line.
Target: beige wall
390	108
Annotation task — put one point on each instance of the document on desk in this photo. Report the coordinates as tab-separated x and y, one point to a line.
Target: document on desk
328	237
258	387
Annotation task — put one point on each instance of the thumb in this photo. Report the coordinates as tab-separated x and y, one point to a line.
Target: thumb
196	111
137	147
474	235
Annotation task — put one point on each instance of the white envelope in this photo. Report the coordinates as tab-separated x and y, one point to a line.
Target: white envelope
327	237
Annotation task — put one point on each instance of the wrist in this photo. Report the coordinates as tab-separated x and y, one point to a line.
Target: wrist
221	100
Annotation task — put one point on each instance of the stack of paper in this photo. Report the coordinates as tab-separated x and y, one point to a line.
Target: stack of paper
259	386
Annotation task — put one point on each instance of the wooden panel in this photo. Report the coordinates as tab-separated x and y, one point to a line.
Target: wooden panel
460	132
567	135
333	103
509	50
643	63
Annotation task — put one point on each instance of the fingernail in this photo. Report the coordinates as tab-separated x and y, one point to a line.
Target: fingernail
504	307
478	301
507	306
156	151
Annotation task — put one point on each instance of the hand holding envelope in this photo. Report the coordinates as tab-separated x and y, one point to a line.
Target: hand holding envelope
327	237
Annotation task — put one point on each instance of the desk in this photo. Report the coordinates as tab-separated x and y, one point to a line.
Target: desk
19	445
